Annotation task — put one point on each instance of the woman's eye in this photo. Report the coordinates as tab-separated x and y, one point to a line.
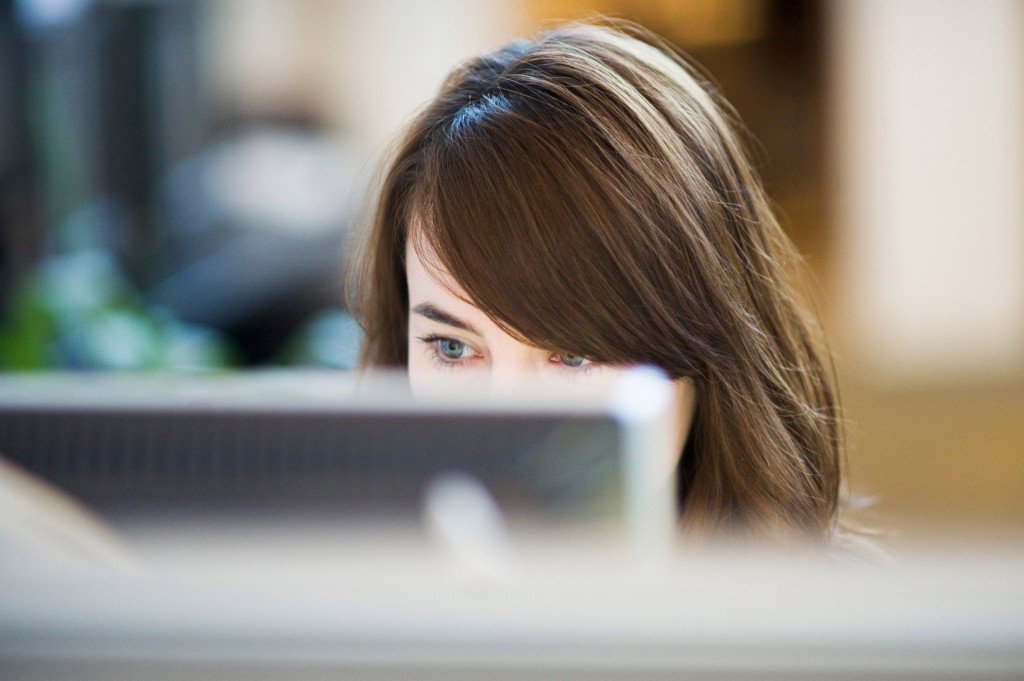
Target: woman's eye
453	349
570	360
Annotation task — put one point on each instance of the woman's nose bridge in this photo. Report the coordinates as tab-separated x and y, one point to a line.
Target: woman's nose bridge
514	370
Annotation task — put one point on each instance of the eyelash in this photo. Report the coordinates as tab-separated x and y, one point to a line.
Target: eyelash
576	372
434	352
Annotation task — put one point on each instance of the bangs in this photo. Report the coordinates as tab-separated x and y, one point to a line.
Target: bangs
538	221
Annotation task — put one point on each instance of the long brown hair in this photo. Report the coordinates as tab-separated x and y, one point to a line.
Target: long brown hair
591	195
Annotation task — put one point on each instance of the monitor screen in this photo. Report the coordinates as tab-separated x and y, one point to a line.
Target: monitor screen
329	445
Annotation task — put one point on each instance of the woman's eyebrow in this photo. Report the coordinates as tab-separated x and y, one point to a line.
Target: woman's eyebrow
430	312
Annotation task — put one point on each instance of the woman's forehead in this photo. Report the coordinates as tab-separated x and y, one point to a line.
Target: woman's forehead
425	269
435	288
421	255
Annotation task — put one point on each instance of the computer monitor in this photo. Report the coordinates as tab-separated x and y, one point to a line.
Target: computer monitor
341	447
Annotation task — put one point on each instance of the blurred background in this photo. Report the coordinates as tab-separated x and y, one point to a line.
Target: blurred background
177	178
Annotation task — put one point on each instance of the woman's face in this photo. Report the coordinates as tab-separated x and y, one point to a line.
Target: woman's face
455	346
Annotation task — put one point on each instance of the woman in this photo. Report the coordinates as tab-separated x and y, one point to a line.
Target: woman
578	203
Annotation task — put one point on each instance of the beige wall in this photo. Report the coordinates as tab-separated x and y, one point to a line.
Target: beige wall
361	68
928	126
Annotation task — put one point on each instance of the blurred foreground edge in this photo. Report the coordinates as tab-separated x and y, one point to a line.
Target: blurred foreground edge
309	526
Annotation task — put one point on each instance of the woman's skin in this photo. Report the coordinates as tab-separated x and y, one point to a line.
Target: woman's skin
455	346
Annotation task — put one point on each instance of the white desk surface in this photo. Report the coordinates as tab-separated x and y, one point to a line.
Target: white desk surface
289	603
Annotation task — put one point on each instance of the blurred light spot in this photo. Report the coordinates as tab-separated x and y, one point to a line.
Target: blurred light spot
43	14
641	393
464	515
